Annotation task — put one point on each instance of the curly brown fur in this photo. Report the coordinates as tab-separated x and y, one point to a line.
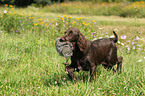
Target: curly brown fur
87	55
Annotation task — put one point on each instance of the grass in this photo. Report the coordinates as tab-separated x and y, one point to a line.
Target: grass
124	9
30	65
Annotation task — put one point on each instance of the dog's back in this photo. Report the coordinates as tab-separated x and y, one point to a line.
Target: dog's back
100	49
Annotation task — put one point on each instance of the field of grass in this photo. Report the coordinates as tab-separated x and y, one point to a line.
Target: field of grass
30	65
123	9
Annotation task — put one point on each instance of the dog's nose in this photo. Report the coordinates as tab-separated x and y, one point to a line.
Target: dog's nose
61	39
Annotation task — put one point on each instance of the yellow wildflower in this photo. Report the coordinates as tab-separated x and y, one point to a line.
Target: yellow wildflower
31	17
11	6
77	19
81	17
64	16
14	13
142	2
36	24
74	22
83	23
70	17
20	14
51	20
25	14
39	19
6	4
93	21
87	24
42	22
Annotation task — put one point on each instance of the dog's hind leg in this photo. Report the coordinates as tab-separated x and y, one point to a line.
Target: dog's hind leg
70	72
119	64
108	67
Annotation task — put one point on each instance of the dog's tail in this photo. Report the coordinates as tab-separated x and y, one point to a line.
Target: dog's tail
116	37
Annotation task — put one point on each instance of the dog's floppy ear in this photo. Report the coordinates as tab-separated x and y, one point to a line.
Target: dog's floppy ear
83	43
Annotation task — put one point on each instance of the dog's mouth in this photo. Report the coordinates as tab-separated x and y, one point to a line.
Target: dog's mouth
67	41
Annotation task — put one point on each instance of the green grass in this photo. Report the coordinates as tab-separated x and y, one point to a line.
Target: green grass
30	65
123	9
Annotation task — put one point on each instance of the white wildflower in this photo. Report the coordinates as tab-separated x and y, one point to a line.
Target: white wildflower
128	48
94	39
128	41
137	38
55	82
123	36
119	42
64	79
56	24
122	44
112	36
133	47
139	49
100	28
115	30
107	36
139	60
100	37
5	11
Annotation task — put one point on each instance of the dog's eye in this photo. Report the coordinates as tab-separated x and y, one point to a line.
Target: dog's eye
64	32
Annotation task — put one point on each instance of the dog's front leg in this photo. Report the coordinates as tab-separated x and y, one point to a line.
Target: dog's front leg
93	72
70	72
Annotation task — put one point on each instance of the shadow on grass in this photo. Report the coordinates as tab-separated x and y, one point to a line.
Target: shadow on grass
61	79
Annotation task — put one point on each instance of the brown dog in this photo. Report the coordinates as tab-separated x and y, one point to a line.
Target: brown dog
87	55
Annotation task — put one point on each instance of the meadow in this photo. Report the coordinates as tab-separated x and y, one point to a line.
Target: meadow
123	9
30	65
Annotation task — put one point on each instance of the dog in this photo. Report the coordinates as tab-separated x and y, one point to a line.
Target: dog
87	55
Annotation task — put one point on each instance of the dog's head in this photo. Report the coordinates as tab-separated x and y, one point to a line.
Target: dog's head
71	35
74	36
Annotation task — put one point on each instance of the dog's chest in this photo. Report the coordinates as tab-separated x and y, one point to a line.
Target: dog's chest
83	65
